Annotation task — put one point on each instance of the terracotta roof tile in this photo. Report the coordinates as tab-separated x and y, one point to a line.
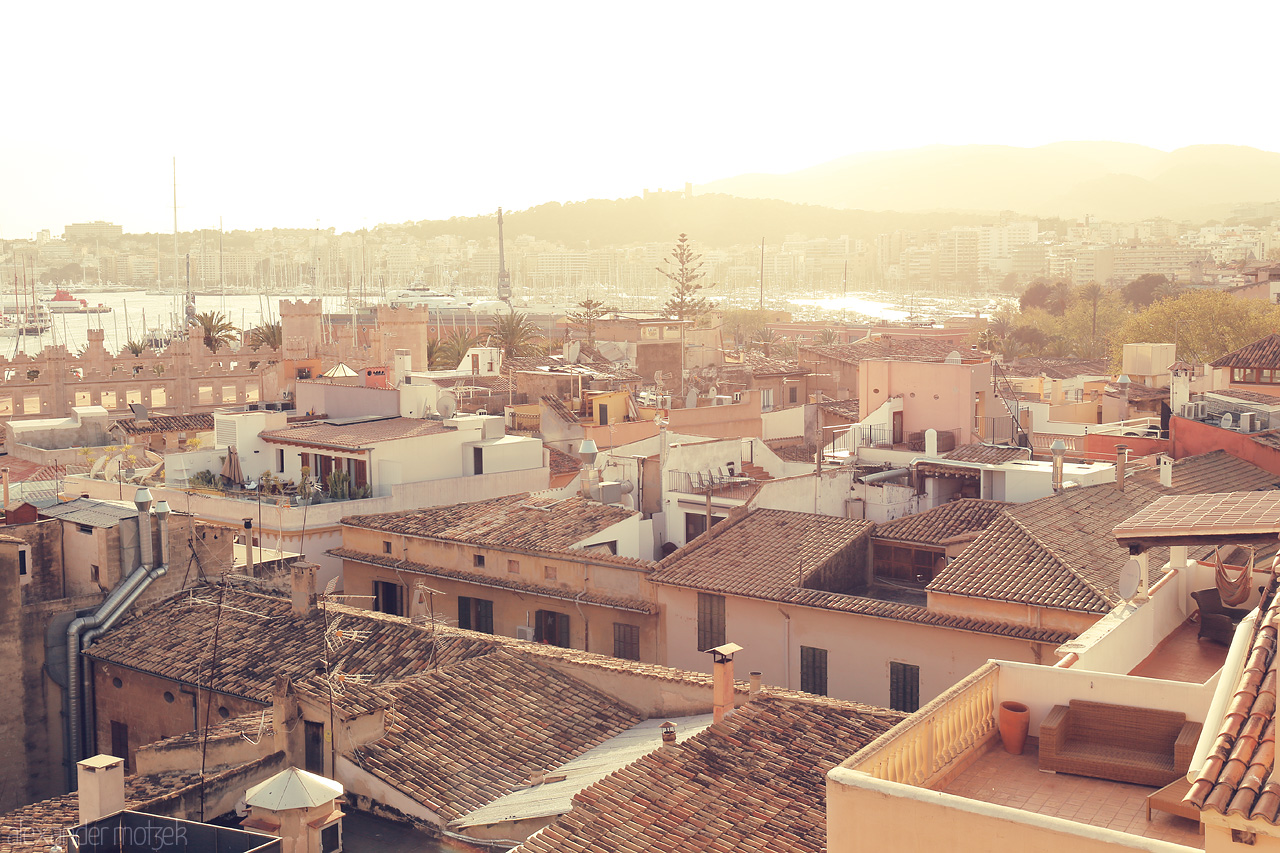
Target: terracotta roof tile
625	602
1225	513
166	423
1248	396
454	747
173	638
1213	472
1058	368
900	347
1054	552
1237	777
1137	393
1264	352
354	435
760	554
559	409
792	449
762	365
563	463
941	524
522	520
755	782
986	454
847	409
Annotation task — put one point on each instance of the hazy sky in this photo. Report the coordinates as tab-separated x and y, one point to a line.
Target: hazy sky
359	113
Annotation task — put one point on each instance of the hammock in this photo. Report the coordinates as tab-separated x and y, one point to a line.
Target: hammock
1236	591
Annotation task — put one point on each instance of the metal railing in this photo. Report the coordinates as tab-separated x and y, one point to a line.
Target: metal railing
718	483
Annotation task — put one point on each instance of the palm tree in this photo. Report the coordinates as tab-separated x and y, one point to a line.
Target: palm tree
1059	298
514	334
827	337
1091	292
269	335
433	353
454	348
216	330
135	347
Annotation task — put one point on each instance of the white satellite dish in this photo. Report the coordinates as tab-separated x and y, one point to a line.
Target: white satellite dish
1225	423
446	404
1129	577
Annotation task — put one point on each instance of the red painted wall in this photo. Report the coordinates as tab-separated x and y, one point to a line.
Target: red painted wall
1102	448
1191	438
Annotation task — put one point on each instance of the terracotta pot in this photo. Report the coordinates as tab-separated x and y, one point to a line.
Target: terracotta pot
1015	719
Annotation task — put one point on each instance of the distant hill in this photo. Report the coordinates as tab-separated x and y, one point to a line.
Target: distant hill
710	220
1066	179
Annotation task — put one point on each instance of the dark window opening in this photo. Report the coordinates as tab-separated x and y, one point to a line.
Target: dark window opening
552	628
710	621
478	455
695	524
22	563
387	598
626	641
331	838
813	670
313	756
386	547
120	743
475	614
479	561
904	687
792	393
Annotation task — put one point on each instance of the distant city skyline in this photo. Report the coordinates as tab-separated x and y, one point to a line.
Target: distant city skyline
284	116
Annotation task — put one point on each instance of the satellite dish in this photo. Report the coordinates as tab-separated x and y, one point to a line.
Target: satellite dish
446	404
1129	577
712	391
1225	423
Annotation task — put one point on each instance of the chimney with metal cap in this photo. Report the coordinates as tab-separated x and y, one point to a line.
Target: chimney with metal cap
668	732
248	546
722	680
1059	450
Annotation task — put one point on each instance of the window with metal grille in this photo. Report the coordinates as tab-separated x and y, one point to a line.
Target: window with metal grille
475	614
813	670
710	621
626	641
904	686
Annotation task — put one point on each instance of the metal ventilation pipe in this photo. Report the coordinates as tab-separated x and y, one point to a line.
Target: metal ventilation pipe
1059	451
142	500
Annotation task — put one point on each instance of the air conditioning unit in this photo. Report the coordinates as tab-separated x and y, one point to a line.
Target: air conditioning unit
1202	409
525	632
1189	410
722	400
1247	420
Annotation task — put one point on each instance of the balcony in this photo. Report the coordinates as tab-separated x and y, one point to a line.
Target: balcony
942	776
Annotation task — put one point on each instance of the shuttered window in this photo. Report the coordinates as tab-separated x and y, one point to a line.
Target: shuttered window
904	686
626	641
710	621
813	670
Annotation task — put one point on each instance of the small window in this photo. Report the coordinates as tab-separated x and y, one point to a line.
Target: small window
117	683
479	561
280	459
549	573
22	563
626	641
93	572
904	687
792	393
223	712
1237	374
710	621
813	670
387	598
386	546
169	697
513	567
85	528
551	628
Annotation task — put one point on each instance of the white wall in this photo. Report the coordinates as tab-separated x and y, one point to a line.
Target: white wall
822	495
626	533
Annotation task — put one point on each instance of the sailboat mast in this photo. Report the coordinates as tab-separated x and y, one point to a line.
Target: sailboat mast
761	273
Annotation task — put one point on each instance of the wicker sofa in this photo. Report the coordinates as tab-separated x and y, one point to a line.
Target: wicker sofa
1118	742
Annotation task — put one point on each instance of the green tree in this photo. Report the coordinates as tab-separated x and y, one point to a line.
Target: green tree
215	330
270	335
591	311
685	271
135	347
515	334
827	337
1036	295
433	354
1059	298
1141	292
454	347
1205	324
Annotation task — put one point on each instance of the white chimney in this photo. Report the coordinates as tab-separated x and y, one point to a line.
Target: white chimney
401	367
1166	471
100	787
1179	386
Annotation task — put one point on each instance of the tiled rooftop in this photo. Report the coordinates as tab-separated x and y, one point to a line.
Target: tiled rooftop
1058	368
1237	776
173	638
1231	513
762	553
1214	472
1137	392
1053	552
522	520
559	408
563	463
754	782
845	409
1248	396
354	435
515	583
166	423
762	365
952	520
1264	352
900	347
454	747
986	454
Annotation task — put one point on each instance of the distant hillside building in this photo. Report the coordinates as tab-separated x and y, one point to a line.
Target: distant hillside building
97	230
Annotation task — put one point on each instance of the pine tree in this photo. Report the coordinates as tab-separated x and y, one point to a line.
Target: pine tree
685	304
585	319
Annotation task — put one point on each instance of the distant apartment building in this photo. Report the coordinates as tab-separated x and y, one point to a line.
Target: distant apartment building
88	231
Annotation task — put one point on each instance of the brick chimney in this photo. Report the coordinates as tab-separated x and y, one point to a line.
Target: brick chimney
668	732
722	680
303	580
100	786
756	682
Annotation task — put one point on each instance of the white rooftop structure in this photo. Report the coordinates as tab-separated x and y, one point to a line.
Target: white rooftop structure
293	789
